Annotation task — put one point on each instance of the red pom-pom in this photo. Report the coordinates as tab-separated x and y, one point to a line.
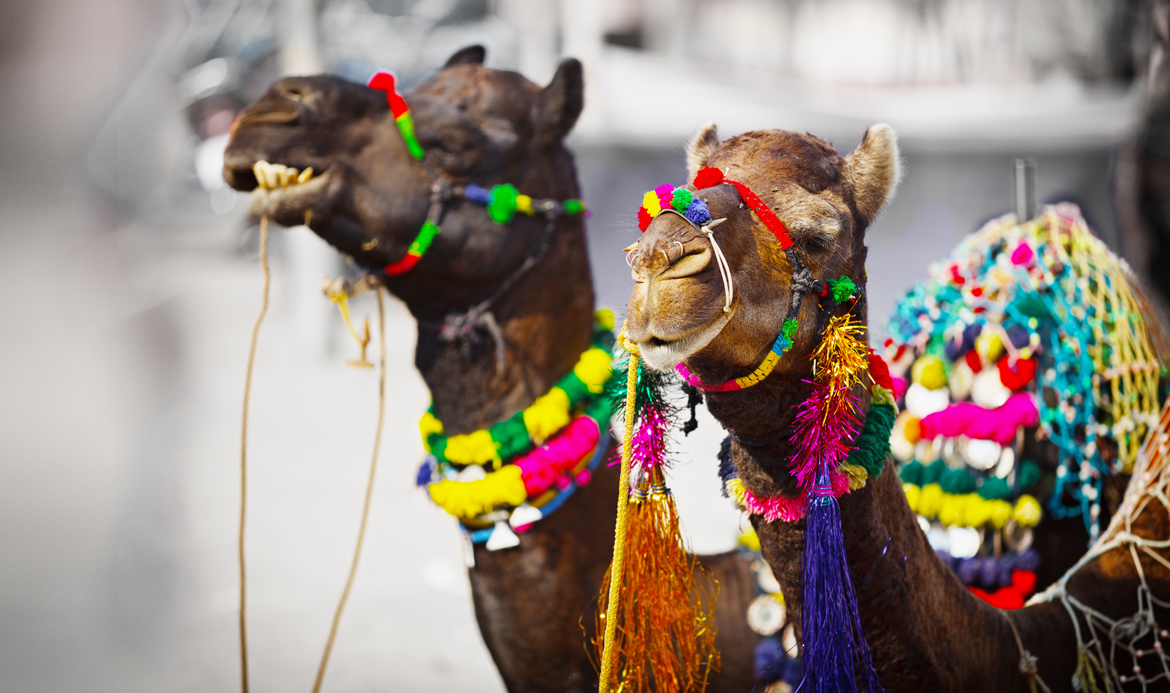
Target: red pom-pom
1006	598
879	371
708	176
1016	378
973	361
644	219
1024	582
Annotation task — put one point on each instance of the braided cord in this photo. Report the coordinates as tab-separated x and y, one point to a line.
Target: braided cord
619	537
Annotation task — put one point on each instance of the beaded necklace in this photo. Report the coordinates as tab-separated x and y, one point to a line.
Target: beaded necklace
502	201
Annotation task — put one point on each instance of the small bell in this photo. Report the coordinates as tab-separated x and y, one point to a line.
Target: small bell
524	514
502	538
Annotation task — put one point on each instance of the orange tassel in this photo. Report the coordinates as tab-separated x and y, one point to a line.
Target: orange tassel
665	635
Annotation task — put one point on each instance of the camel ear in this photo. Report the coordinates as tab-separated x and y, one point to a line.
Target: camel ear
472	55
873	170
700	148
560	104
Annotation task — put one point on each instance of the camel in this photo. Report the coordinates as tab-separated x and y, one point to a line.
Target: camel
926	632
368	198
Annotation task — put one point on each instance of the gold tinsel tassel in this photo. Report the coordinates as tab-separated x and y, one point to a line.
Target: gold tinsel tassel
663	638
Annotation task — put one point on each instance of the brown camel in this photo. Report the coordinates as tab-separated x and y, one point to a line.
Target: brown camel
368	198
925	630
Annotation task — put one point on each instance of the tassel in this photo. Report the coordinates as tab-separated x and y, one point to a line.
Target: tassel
663	637
830	623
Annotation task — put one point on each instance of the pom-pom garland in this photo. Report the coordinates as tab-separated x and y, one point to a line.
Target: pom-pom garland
680	200
538	457
1055	313
519	433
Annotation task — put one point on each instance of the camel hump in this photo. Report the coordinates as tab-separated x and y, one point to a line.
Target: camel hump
471	55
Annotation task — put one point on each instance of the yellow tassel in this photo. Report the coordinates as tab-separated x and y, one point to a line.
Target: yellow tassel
856	474
736	491
547	415
467	499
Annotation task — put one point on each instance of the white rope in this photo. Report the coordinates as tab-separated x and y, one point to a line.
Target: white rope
721	261
1138	636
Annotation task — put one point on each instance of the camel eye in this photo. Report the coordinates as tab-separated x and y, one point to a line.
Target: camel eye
817	244
294	93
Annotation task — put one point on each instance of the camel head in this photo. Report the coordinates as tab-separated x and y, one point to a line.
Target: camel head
368	197
677	309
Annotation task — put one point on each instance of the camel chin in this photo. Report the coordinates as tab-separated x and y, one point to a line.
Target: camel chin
659	354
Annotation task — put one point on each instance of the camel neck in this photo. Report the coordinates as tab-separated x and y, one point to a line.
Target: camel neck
912	607
545	321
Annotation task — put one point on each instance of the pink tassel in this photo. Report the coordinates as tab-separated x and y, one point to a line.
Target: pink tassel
826	423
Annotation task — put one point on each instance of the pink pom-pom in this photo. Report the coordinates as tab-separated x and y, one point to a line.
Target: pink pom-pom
1023	254
584	477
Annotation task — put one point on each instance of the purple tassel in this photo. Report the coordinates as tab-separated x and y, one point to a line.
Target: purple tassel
830	623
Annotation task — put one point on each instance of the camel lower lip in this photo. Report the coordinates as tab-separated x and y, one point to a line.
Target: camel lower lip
269	200
660	353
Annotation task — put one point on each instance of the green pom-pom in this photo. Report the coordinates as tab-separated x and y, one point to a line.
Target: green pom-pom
502	203
912	473
1027	474
843	289
994	488
932	473
512	436
873	445
957	481
574	206
681	200
574	388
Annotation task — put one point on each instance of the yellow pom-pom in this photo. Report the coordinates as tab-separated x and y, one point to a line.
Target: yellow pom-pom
472	448
467	499
604	318
929	372
428	424
593	369
912	429
913	494
989	346
930	500
1027	511
749	539
524	204
953	510
650	202
978	511
735	490
547	415
883	395
1001	512
857	475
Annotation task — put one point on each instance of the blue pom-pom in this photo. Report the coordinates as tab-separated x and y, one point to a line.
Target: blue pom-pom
426	473
989	574
968	570
768	660
477	194
1028	560
697	212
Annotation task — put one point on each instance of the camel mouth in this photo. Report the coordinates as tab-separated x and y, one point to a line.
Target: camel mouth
283	188
660	354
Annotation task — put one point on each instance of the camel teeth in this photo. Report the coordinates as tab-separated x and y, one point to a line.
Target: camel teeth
270	176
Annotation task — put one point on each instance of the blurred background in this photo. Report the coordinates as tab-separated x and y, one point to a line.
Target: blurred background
130	282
